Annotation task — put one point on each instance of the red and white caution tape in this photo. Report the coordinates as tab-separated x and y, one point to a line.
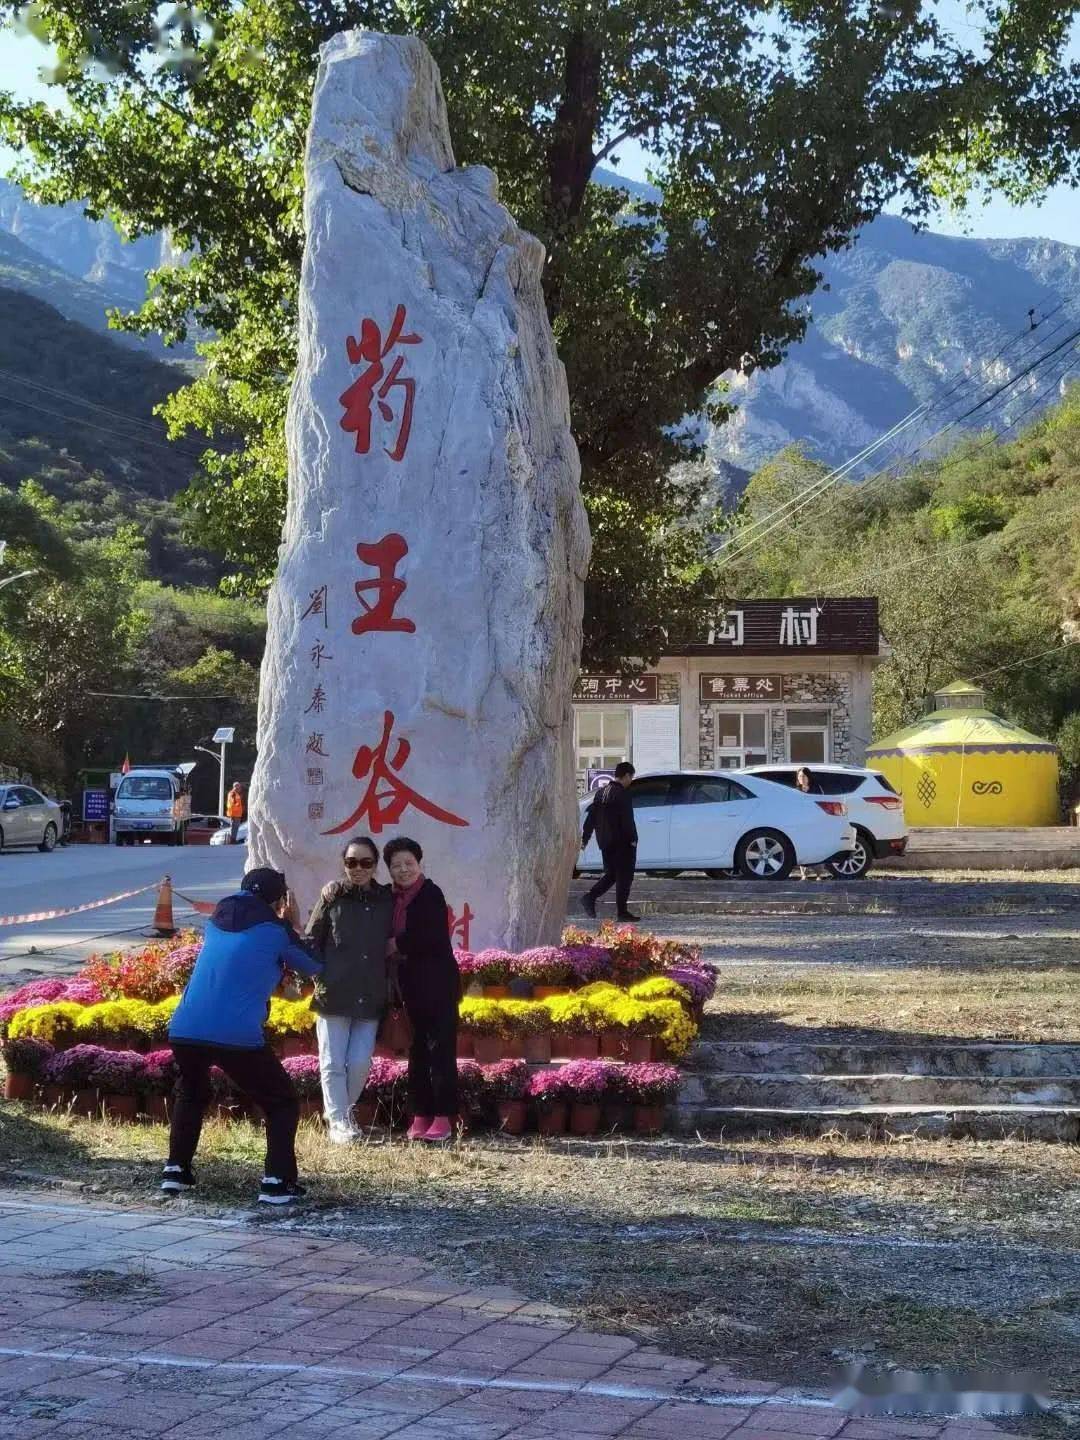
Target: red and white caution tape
34	916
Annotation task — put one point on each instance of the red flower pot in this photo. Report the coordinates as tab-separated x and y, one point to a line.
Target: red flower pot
639	1049
614	1117
613	1044
538	1048
464	1045
514	1047
487	1048
648	1119
290	1046
583	1047
85	1102
512	1116
551	1119
18	1086
121	1107
364	1113
545	992
157	1109
584	1119
496	992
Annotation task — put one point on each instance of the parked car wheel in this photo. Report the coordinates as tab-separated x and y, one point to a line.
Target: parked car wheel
1	840
765	855
48	840
855	864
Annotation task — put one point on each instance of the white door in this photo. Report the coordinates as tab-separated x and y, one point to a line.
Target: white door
36	815
708	815
13	818
652	816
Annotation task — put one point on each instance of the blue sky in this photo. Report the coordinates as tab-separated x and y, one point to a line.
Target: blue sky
1058	218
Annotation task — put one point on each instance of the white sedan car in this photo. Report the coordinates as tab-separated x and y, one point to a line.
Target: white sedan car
716	820
221	837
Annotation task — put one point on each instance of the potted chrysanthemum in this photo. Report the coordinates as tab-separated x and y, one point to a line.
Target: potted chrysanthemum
158	1083
649	1089
507	1086
548	1093
303	1071
24	1061
588	1084
71	1070
117	1075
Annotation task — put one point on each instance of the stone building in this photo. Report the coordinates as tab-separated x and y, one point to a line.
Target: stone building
767	680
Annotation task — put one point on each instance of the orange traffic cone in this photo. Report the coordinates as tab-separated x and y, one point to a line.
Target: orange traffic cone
163	916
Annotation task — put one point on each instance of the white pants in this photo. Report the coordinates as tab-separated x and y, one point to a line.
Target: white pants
345	1048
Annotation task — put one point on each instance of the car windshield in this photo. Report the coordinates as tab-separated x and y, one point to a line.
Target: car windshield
145	787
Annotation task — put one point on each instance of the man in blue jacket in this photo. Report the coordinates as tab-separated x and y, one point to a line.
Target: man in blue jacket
250	939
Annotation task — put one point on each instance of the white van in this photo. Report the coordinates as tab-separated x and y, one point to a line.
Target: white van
153	804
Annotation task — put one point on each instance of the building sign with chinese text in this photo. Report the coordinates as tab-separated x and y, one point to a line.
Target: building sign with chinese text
617	688
842	625
749	689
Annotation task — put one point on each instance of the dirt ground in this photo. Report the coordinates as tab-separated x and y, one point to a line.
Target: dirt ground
784	1257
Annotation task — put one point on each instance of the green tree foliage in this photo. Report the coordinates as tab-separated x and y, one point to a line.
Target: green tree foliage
975	559
778	131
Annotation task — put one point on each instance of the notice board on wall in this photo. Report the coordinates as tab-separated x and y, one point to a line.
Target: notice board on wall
655	737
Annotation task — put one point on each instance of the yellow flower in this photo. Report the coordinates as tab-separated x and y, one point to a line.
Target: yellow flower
659	987
290	1017
46	1022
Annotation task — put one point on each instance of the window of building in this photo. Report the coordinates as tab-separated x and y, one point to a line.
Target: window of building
601	736
742	737
808	736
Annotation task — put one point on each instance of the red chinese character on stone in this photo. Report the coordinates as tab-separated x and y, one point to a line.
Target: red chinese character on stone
357	399
387	797
460	927
385	556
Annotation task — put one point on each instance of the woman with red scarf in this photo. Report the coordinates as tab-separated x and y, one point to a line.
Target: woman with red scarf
430	987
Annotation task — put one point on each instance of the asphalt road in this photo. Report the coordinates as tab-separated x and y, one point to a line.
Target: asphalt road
32	882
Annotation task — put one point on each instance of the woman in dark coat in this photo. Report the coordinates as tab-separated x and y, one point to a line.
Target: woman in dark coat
427	974
351	928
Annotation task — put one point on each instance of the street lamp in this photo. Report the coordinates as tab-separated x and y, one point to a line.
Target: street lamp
222	737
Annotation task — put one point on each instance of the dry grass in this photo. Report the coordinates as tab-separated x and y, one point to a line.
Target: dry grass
962	1002
784	1257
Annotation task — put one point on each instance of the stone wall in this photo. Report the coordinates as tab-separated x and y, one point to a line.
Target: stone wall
807	690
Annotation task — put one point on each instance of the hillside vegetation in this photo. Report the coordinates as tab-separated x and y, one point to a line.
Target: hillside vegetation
975	557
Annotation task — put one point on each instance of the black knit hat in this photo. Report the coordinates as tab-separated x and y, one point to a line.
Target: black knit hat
268	884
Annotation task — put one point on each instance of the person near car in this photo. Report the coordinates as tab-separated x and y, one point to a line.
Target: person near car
234	811
250	940
611	818
430	984
350	927
805	782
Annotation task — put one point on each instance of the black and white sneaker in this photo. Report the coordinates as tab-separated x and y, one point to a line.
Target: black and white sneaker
280	1192
177	1178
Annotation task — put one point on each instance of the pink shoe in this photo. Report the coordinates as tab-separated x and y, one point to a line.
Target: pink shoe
441	1129
420	1126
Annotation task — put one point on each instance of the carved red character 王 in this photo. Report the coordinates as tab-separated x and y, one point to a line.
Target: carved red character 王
384	556
376	383
387	797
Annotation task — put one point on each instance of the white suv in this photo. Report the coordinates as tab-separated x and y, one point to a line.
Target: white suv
874	809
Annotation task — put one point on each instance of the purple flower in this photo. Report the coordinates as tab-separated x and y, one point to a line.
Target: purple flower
648	1084
73	1068
695	976
585	1082
303	1071
118	1072
505	1080
26	1056
159	1072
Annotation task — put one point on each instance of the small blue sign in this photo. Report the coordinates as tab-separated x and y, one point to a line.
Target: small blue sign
95	805
597	779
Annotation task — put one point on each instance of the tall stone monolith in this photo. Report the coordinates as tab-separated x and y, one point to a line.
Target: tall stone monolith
425	624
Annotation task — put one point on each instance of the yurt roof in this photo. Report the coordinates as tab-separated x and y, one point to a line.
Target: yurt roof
969	731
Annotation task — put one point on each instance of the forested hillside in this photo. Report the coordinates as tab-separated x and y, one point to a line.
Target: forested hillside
976	559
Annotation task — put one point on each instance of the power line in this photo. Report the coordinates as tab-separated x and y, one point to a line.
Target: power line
87	424
1064	645
748	539
122	695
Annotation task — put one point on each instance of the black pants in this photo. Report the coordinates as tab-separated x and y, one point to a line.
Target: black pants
619	862
259	1075
234	830
433	1057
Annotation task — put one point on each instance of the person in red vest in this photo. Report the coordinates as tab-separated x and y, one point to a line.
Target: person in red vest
234	811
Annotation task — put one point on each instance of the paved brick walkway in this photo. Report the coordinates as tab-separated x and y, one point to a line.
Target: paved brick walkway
161	1322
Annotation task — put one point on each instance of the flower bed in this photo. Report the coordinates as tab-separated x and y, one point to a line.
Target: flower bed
612	1006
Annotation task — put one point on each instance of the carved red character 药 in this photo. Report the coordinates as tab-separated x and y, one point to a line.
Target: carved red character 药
384	556
376	383
387	797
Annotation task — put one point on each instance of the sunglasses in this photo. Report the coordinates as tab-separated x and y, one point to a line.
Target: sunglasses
353	864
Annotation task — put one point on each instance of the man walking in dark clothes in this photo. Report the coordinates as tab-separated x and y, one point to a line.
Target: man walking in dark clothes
611	816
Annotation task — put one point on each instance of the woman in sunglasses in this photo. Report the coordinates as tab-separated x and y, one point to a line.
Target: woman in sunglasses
351	926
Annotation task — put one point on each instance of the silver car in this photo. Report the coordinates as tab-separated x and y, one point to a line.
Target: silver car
28	818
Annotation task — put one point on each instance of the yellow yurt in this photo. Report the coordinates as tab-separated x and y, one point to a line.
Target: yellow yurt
963	765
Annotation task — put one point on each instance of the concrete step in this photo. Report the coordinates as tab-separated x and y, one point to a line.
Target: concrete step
797	1092
979	1122
941	1058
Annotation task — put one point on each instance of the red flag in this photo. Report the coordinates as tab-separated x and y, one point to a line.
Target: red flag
126	766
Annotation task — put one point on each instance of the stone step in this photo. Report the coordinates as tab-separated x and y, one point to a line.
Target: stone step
978	1122
745	1057
796	1091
